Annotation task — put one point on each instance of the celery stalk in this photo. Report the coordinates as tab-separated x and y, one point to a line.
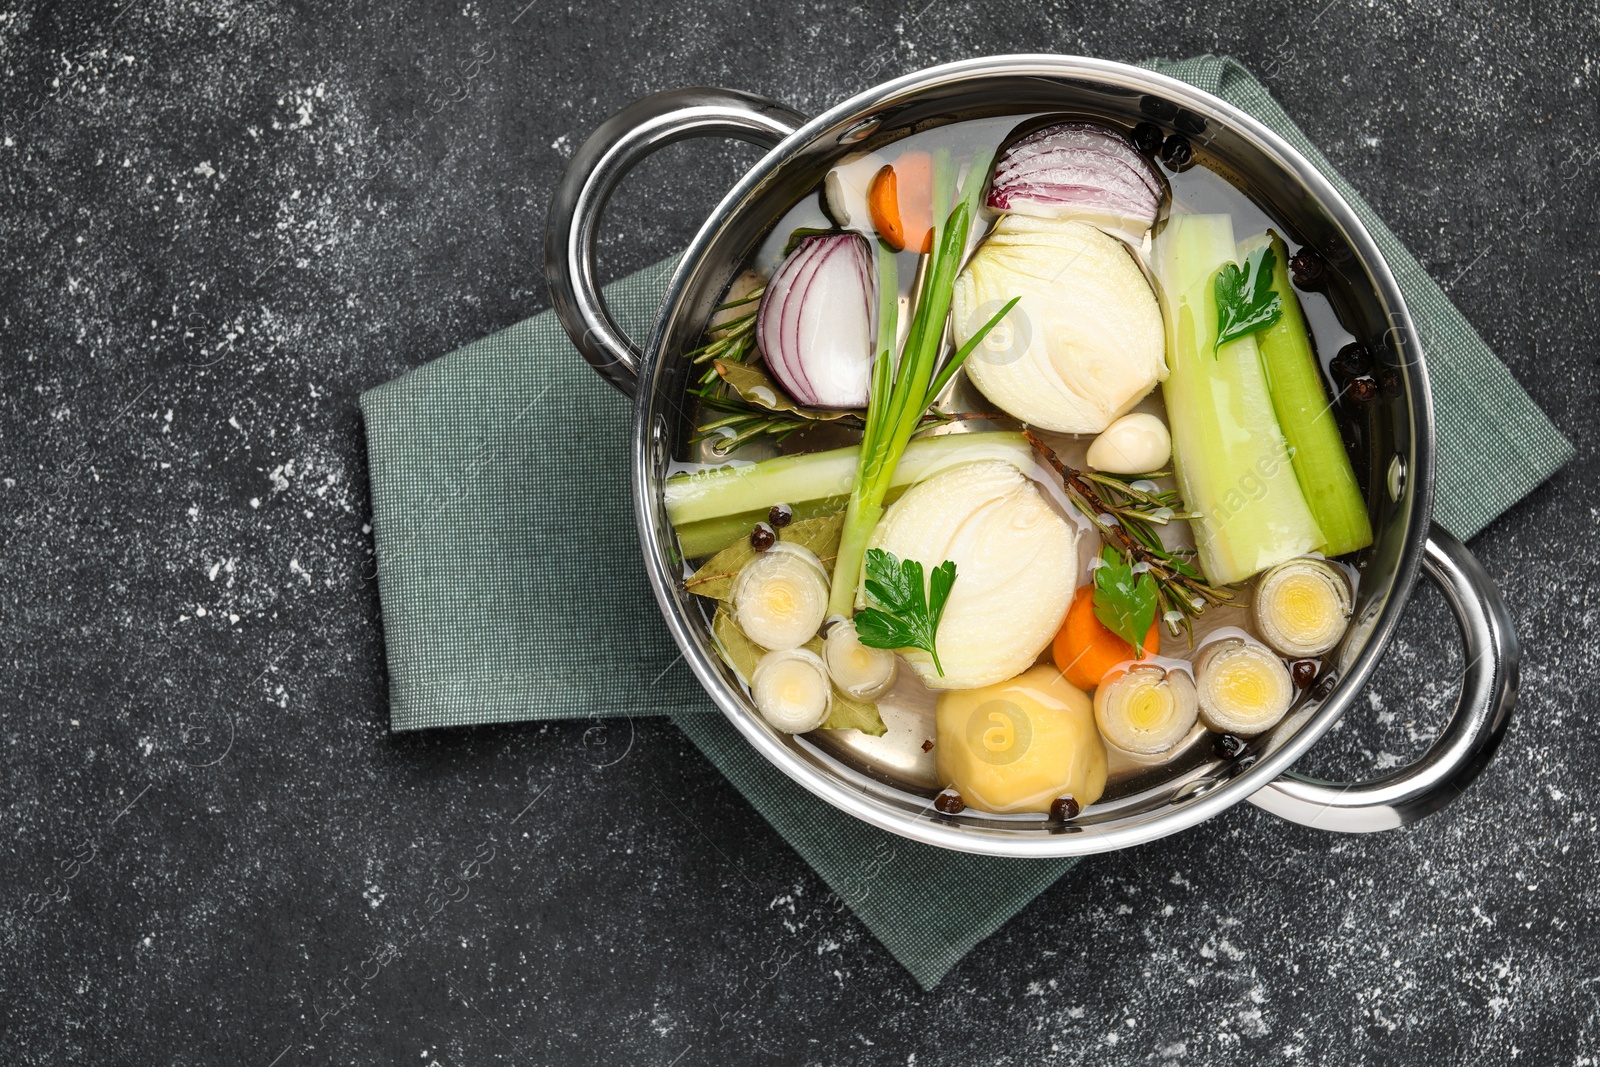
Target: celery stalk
1229	453
1305	412
712	508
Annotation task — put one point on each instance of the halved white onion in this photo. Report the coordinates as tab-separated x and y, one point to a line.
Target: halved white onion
1146	710
792	690
858	671
1302	606
1243	687
1016	562
781	597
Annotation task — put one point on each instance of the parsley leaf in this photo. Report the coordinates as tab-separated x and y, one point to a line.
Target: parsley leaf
907	613
1246	301
1124	602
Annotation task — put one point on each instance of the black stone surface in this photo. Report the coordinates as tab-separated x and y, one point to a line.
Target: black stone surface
220	222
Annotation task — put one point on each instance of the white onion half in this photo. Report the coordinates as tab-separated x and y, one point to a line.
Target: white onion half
817	323
1016	569
1085	342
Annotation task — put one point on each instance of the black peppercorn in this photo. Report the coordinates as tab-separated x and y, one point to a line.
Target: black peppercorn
762	537
1227	746
1305	672
1063	809
1391	381
1323	687
1351	361
949	802
1177	151
780	516
1363	389
1147	138
1309	268
1245	762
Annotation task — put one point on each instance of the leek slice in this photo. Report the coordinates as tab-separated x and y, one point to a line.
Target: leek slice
791	690
1305	411
1229	454
1242	686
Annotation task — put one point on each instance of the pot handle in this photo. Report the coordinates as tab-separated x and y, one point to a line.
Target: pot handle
597	167
1462	749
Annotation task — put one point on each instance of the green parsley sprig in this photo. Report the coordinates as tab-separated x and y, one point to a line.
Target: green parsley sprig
1246	300
907	615
1124	600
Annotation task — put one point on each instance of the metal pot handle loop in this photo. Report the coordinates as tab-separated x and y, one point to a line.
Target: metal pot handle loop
595	171
1463	748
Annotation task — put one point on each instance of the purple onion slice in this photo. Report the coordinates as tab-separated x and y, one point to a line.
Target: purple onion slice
817	322
1079	170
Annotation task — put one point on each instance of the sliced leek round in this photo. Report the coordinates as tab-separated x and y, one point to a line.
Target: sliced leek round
781	597
1243	687
792	690
1146	710
1302	606
861	672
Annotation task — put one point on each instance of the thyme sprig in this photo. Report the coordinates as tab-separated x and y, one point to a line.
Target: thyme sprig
1126	515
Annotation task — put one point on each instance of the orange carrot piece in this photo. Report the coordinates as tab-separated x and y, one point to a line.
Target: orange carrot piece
900	200
1085	651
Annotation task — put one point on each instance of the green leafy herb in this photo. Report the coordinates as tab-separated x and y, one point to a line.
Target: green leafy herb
907	615
1246	301
1124	602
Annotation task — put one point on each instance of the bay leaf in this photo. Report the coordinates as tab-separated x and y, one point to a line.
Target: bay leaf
755	386
820	534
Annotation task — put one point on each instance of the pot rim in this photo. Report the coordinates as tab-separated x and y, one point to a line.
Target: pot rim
845	788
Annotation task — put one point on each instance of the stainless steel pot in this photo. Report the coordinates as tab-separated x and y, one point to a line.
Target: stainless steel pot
1397	438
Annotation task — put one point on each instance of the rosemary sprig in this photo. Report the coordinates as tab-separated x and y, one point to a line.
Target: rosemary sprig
1126	516
732	340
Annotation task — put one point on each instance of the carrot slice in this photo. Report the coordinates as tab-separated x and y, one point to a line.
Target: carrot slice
900	200
1085	651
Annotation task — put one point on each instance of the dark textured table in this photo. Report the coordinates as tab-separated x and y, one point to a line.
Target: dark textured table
221	222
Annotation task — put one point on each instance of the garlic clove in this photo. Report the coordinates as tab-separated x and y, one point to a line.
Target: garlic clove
1135	444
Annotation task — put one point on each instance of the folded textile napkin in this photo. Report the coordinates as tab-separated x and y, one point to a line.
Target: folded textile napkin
507	554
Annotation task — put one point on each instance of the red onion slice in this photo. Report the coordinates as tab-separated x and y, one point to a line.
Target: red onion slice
817	322
1079	170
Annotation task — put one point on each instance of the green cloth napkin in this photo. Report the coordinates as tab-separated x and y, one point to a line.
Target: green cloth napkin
512	586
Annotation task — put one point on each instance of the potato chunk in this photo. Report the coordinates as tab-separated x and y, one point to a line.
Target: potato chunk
1020	744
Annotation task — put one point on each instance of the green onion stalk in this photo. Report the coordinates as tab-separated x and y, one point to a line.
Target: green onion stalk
902	390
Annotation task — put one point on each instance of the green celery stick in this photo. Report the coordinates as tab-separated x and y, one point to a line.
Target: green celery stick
1229	454
1305	412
